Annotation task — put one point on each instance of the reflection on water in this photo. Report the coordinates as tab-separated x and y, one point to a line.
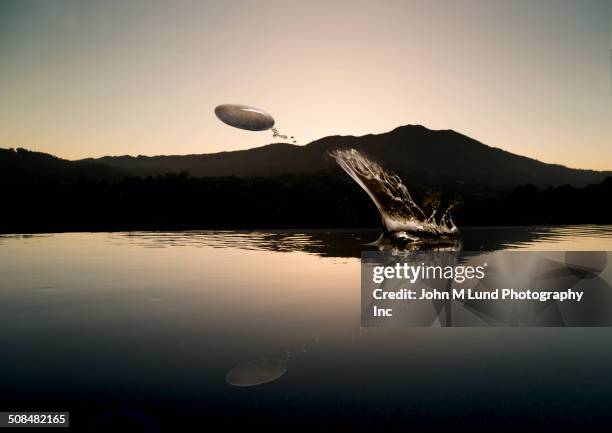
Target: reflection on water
151	323
257	372
350	243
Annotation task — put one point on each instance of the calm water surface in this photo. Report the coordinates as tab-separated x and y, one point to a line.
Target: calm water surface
140	330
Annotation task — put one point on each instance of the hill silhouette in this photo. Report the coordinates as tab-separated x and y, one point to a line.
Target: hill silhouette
418	154
21	165
287	186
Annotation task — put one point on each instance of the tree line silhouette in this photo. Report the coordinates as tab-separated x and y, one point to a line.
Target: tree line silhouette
324	199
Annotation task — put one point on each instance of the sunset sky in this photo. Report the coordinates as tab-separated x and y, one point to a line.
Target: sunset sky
92	78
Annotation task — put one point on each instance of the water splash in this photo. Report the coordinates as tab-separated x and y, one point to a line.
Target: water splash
276	134
402	218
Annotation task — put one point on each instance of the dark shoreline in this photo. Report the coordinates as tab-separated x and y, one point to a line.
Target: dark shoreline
288	230
301	201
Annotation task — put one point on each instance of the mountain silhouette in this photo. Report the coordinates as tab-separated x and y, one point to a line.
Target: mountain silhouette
287	186
418	154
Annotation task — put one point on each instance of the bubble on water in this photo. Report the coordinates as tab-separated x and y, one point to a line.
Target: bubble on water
257	372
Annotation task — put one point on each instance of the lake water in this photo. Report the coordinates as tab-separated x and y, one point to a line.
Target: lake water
140	330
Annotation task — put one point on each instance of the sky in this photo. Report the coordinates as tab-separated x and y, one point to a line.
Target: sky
91	78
